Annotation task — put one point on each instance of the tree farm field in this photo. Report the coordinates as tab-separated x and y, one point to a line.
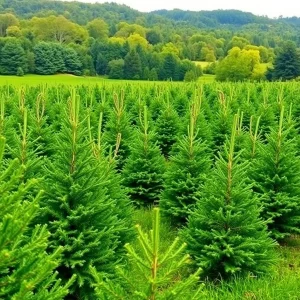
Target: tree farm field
169	190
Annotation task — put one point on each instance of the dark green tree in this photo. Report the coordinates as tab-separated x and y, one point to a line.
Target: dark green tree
117	135
276	180
132	65
72	61
186	173
225	234
77	208
143	171
12	57
287	63
44	59
167	127
101	64
116	69
170	68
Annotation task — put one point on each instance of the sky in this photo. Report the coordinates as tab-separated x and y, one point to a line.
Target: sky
271	8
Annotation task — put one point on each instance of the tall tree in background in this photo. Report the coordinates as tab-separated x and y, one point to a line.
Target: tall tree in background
12	57
132	65
287	63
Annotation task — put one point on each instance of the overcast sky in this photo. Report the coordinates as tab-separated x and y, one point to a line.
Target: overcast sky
271	8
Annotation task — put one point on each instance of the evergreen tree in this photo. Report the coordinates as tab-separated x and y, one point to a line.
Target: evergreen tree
143	171
186	173
26	268
12	58
101	64
152	273
170	68
167	128
225	234
81	216
276	179
132	65
118	134
287	63
44	59
72	62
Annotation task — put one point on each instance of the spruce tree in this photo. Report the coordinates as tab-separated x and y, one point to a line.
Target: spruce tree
276	180
117	129
153	271
225	234
143	171
186	173
167	127
81	216
26	268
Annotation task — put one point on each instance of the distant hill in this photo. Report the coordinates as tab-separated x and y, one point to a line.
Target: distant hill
242	23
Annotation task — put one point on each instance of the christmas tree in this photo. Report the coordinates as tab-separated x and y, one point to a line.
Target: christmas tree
26	268
185	175
225	234
143	171
276	179
81	216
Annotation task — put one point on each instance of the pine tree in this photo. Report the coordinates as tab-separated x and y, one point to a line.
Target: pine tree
132	65
26	269
225	234
185	175
12	57
81	216
166	128
118	128
152	272
143	171
276	179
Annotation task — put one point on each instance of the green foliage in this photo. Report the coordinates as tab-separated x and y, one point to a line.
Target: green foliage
20	72
116	69
287	63
12	58
81	215
276	180
26	268
238	65
186	173
132	65
167	128
73	64
144	168
153	271
225	234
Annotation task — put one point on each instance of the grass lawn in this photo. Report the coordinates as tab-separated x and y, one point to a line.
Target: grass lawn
49	80
67	79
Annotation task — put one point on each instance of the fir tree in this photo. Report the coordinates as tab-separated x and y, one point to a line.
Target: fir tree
185	176
276	179
153	271
167	128
80	215
225	234
26	269
118	128
143	171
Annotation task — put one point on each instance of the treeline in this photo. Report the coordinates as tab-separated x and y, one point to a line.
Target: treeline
52	37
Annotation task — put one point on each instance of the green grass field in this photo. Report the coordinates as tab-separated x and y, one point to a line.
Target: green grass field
66	79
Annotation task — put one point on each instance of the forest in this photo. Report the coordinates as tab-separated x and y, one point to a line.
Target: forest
55	37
